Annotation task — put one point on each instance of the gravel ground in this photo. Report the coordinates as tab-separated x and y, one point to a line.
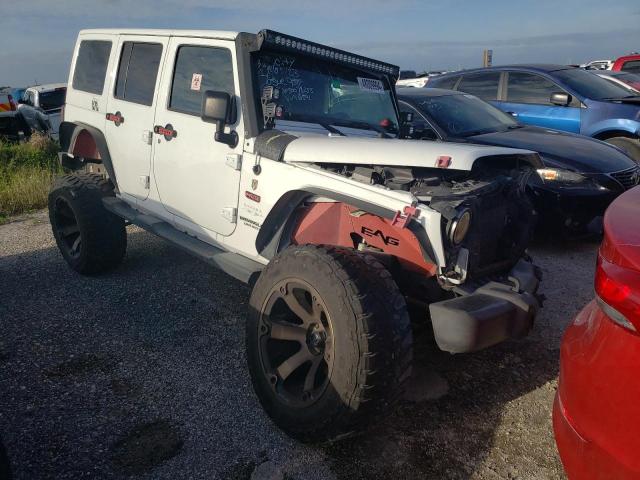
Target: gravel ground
141	374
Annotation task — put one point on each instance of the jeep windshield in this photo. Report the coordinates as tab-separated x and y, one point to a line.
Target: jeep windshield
326	93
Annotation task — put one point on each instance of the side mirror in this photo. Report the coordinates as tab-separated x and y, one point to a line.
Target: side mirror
217	108
560	98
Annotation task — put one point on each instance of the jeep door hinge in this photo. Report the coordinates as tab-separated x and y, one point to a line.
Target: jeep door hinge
234	161
230	214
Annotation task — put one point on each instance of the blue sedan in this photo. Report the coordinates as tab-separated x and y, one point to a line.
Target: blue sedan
556	96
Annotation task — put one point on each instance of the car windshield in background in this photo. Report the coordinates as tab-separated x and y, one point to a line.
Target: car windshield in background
461	115
315	91
52	100
590	85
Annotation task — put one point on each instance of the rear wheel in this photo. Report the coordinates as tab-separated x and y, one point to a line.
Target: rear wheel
329	341
90	238
629	145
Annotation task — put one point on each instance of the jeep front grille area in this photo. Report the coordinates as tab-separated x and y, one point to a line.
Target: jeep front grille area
500	231
628	178
502	224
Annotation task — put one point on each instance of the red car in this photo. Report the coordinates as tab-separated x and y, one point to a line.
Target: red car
596	414
629	63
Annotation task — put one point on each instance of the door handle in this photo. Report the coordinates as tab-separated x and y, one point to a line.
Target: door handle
168	132
116	118
513	114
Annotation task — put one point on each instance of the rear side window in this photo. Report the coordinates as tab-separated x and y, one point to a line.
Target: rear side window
446	83
91	66
199	69
529	88
483	85
632	66
137	72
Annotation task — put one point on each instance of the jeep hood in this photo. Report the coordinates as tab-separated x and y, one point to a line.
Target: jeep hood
394	152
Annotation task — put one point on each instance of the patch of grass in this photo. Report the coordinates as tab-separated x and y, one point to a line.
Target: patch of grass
27	171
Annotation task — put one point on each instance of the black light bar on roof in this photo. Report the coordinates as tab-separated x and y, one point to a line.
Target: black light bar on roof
289	43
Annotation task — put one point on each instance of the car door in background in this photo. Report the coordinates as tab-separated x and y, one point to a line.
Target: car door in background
131	110
528	98
198	179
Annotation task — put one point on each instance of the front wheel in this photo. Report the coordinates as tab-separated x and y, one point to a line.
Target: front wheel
329	341
630	145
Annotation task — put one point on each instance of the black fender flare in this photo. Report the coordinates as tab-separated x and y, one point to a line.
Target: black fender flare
281	220
68	134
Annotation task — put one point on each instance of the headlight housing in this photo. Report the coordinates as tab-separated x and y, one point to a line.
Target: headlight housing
567	178
459	227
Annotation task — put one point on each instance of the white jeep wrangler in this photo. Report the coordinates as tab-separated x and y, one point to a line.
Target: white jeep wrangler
279	161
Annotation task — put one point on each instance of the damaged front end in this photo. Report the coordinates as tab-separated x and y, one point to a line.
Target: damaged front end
485	289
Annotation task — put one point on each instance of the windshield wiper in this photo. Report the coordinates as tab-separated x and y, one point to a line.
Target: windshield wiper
479	131
363	126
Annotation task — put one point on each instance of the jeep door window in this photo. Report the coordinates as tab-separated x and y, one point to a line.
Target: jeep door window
463	115
137	72
324	92
91	66
530	88
197	70
590	85
483	85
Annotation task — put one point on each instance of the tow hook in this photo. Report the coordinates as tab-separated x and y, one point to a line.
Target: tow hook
402	219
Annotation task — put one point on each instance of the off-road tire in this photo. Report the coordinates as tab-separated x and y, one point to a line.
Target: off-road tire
102	235
372	341
630	145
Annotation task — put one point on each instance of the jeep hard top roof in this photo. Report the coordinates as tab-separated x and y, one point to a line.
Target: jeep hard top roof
221	34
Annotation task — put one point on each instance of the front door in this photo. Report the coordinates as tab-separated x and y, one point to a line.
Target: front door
528	99
196	176
131	109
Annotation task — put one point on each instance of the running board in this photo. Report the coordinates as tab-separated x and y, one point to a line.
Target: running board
242	268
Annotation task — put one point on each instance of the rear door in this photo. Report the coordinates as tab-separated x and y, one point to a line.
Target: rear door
528	98
196	176
131	109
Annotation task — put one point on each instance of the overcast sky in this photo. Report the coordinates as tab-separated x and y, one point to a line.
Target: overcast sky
37	36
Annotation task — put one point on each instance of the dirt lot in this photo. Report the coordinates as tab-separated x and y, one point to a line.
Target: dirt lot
141	373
